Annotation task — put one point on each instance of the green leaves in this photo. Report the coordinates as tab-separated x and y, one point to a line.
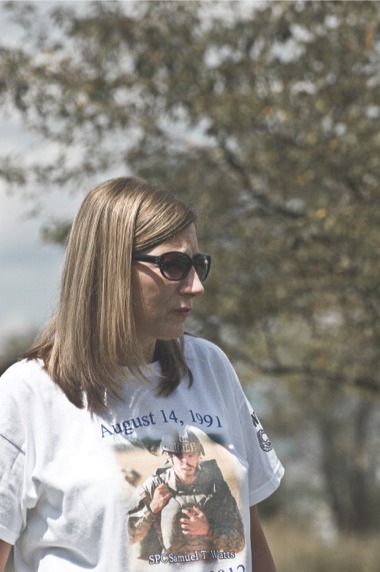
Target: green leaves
266	116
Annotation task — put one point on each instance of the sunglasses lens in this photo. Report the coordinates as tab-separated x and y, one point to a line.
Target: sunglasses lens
176	266
202	266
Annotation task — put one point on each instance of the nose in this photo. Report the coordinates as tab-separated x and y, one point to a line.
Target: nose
192	285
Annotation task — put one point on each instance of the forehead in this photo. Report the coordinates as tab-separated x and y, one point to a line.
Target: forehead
186	454
185	241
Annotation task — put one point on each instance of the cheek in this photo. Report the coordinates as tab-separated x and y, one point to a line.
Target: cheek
152	301
140	304
149	295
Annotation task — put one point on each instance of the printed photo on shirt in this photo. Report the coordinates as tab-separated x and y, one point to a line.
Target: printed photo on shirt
181	500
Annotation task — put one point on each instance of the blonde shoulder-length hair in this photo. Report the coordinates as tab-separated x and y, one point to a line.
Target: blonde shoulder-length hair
92	334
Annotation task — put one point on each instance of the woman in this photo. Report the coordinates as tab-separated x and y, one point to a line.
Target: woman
111	375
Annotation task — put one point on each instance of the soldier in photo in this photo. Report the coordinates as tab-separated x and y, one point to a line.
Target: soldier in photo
187	503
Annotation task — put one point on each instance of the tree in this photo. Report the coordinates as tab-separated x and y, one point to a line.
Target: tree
266	116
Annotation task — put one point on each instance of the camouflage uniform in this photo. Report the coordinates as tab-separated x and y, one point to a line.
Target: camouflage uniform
210	493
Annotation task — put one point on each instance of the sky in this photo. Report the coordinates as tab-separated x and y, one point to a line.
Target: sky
29	268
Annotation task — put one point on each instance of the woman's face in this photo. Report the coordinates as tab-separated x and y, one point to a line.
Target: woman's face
160	305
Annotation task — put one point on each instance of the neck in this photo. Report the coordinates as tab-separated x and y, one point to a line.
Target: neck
150	352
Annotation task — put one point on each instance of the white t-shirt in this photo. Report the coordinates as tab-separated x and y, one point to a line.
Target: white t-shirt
67	476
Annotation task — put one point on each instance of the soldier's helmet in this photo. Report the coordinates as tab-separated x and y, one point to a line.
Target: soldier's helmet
178	444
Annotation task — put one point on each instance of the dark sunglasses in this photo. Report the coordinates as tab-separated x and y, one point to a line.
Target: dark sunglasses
176	266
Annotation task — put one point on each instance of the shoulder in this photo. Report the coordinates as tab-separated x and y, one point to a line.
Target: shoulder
201	349
18	390
19	381
162	475
207	361
200	353
23	369
211	467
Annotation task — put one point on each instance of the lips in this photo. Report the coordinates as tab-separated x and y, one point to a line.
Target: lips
185	310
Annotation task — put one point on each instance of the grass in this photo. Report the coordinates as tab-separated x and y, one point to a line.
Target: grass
296	549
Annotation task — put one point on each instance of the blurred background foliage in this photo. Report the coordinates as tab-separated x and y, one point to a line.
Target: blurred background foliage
265	116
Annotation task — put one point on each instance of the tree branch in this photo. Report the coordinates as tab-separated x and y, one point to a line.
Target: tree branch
362	381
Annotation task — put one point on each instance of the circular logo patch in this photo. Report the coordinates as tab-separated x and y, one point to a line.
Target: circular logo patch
265	444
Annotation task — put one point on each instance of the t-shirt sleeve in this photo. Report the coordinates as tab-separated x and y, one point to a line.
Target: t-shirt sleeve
12	464
265	470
